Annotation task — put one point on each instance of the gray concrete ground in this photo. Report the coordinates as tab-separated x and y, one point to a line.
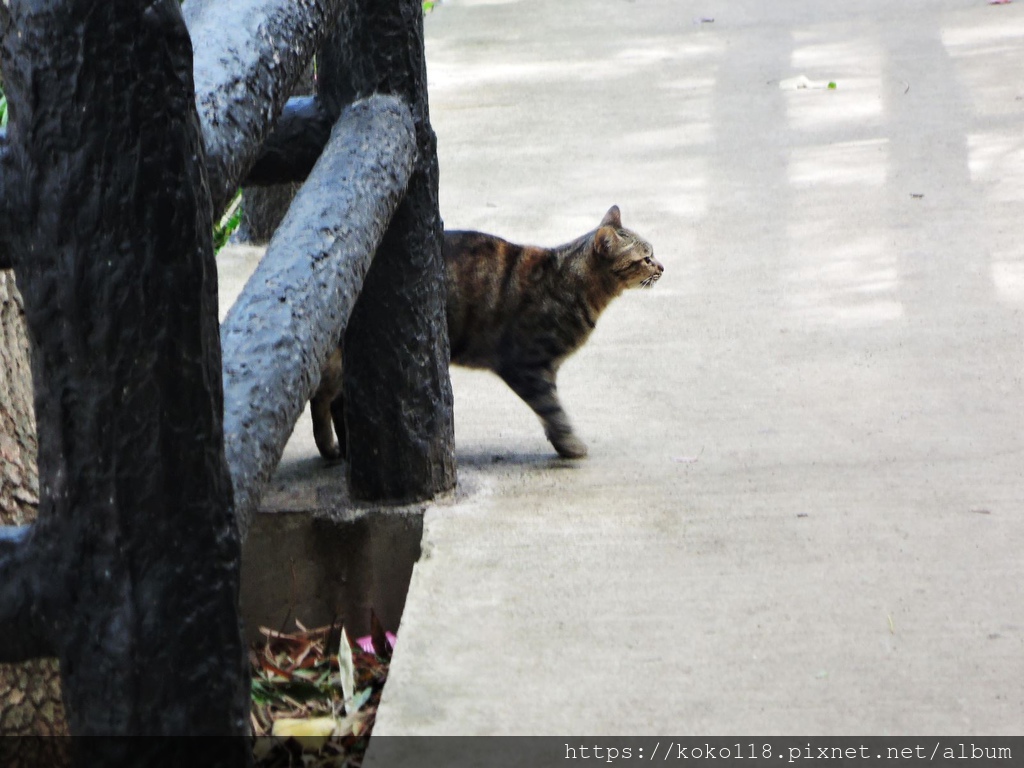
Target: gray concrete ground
802	511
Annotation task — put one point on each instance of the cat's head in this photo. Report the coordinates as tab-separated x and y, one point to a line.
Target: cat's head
629	257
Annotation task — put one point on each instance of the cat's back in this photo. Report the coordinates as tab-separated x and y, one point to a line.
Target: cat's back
486	265
487	280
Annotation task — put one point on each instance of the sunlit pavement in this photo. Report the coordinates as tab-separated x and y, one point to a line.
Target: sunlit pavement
802	512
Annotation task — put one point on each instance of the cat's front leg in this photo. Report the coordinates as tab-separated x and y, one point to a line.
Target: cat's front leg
537	388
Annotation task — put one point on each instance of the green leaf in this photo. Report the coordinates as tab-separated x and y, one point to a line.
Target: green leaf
358	700
831	85
299	690
228	223
262	692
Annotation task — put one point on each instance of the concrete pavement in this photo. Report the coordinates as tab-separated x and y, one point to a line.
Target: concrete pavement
803	510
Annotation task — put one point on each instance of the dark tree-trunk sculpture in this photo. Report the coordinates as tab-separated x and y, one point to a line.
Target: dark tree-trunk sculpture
110	235
398	398
291	312
264	207
114	164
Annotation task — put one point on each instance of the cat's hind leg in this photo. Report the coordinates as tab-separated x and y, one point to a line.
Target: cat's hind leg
338	418
325	408
537	388
323	427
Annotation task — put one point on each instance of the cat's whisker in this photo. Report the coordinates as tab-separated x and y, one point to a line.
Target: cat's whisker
650	281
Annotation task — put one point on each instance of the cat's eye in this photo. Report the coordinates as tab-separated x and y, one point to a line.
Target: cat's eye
647	260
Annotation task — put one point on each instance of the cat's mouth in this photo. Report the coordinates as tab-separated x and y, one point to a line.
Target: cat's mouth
650	281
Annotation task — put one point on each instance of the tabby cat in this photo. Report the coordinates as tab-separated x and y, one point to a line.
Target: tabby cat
519	311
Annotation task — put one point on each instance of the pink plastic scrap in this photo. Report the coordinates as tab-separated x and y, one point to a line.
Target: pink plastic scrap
366	643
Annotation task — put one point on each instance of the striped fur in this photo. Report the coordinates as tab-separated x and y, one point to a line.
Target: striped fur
520	311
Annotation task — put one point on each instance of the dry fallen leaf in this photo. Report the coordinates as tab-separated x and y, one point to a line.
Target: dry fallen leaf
296	677
311	734
346	667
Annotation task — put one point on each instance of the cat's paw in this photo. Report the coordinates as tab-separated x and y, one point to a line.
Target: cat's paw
332	453
569	446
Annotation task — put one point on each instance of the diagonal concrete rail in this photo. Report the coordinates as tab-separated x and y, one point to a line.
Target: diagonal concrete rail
295	305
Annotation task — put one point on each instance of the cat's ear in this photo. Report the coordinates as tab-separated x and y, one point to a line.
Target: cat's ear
612	218
604	240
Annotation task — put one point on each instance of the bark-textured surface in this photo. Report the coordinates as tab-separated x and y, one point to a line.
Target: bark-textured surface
398	398
4	224
292	310
263	210
264	207
130	573
30	700
5	162
19	480
250	54
299	136
30	692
